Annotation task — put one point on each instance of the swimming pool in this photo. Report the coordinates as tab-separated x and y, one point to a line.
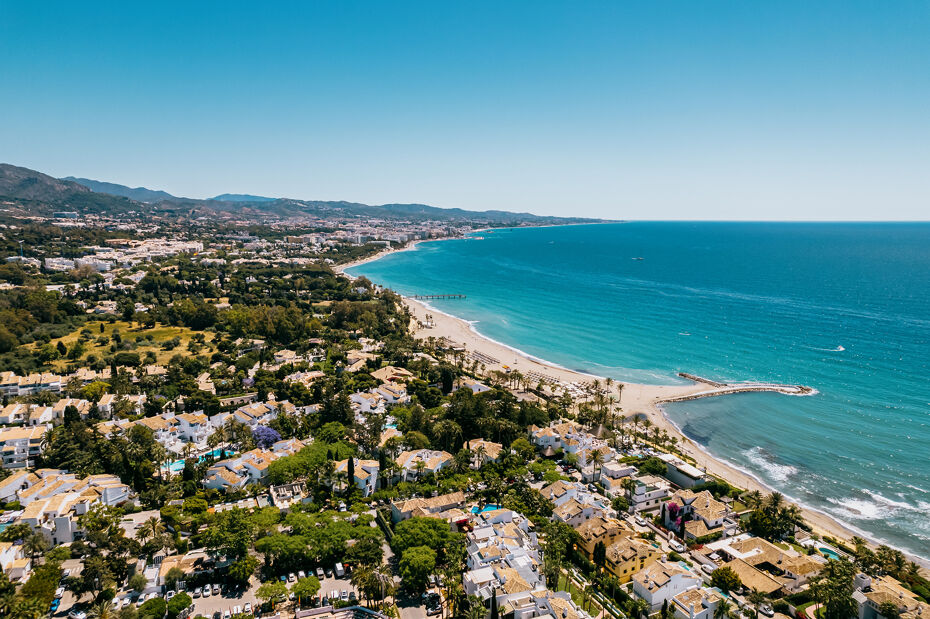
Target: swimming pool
829	553
490	507
178	465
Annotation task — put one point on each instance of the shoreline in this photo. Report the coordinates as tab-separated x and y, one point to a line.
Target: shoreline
636	399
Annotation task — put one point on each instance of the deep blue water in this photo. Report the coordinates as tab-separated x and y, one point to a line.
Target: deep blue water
844	308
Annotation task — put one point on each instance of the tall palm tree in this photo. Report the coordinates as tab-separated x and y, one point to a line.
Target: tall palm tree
723	610
150	529
639	608
100	610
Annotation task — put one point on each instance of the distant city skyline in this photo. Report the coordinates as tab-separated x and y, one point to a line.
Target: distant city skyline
719	110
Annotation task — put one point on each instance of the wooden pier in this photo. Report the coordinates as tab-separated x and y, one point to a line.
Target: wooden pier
437	296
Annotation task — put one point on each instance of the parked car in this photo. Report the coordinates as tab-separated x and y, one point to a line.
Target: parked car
217	615
115	603
237	610
340	571
344	596
60	591
324	601
708	569
54	607
301	574
640	521
766	610
351	596
77	614
227	614
216	589
676	545
319	573
291	577
170	595
126	602
206	591
141	600
248	608
197	592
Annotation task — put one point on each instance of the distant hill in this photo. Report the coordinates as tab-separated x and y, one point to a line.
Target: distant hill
39	194
139	194
241	197
35	193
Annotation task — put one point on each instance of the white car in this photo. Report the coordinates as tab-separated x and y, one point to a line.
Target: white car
126	602
115	603
206	591
640	521
708	569
170	595
77	614
237	610
301	574
676	545
60	591
248	608
140	601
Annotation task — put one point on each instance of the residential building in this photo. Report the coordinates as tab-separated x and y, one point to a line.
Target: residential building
366	474
414	464
20	446
662	581
650	492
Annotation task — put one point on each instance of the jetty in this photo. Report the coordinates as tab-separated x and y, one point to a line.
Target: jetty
718	388
423	297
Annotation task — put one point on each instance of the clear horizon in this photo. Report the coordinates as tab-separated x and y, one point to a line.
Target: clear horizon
723	111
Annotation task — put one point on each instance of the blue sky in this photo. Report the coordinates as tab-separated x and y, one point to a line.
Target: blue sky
652	110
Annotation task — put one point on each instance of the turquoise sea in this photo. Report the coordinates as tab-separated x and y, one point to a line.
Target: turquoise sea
844	308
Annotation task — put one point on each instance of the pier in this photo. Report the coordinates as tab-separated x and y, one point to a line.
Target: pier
718	388
424	297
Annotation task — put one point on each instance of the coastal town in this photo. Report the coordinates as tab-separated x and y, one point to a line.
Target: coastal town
213	420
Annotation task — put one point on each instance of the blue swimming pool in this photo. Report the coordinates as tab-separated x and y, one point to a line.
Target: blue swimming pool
178	465
490	507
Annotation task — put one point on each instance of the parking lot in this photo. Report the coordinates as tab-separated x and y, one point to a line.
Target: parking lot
208	606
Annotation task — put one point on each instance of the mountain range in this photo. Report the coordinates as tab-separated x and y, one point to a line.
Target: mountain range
29	192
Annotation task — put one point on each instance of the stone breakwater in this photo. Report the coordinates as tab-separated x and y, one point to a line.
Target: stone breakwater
718	388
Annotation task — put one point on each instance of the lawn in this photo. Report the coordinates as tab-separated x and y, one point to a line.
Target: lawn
567	584
129	332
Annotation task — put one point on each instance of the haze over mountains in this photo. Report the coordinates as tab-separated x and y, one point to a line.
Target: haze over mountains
35	193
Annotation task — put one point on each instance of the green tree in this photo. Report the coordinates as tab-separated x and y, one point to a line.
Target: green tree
417	563
725	579
833	588
154	608
306	588
177	604
242	570
271	590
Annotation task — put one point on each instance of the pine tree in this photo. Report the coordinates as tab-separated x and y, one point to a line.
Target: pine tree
494	614
350	474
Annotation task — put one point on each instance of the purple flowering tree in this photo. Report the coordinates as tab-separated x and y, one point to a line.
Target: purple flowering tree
265	437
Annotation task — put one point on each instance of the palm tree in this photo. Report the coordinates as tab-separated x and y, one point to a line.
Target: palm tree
639	608
150	529
476	609
100	610
34	545
362	579
723	610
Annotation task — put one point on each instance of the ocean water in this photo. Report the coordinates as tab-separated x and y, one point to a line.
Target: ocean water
844	308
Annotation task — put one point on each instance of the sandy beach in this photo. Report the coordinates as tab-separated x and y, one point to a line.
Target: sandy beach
633	398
